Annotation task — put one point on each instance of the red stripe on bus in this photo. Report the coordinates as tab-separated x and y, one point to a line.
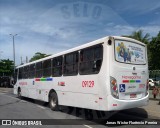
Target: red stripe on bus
114	104
125	81
37	79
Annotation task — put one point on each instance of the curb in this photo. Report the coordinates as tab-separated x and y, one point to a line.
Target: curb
154	99
6	90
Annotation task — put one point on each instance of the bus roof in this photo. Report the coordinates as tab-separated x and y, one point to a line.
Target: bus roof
99	41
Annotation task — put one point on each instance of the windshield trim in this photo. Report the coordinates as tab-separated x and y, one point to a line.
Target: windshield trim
130	42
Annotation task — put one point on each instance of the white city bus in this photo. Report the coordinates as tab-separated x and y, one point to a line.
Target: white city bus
108	74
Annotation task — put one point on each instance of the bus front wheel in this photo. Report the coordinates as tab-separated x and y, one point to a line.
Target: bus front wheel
53	101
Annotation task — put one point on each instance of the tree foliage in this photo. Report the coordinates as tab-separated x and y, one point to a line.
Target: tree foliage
38	56
154	52
153	47
6	67
138	35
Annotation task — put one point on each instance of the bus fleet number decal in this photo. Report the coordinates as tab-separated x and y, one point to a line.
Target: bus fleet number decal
89	84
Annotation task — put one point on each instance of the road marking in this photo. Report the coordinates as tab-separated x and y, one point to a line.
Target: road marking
41	107
87	126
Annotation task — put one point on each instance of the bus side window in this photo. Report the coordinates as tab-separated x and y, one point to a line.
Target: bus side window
32	71
20	73
25	72
47	68
81	56
39	70
71	64
85	66
15	77
57	66
98	54
91	60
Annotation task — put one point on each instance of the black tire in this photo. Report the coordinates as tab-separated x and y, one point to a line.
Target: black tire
53	101
19	93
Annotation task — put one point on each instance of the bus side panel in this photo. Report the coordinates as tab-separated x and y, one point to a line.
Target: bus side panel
79	91
79	100
32	89
104	79
24	85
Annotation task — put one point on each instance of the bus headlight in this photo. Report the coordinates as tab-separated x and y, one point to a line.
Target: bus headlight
114	87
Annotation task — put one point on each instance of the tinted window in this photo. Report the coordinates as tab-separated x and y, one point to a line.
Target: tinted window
20	73
91	60
57	66
71	64
47	68
15	76
39	69
25	72
32	71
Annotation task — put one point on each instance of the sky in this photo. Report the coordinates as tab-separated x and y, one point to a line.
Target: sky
52	26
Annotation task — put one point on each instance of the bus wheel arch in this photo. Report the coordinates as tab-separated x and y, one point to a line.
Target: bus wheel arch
53	100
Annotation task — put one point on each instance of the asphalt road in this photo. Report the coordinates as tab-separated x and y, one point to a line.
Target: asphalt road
14	108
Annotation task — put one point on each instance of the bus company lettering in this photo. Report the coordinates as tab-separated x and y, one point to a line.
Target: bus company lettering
89	84
61	83
141	85
131	77
22	83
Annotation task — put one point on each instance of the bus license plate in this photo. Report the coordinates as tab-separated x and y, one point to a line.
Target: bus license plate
133	95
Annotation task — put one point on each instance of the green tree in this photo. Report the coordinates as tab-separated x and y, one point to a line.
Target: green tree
6	67
138	35
154	49
38	56
145	38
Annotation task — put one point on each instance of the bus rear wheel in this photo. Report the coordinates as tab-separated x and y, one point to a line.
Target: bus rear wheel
53	101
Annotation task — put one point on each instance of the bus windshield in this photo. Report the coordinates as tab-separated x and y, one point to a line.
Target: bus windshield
129	52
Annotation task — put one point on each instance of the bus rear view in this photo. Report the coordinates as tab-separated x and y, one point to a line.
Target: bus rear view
128	74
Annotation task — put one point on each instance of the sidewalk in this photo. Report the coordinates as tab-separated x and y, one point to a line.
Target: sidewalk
151	96
153	109
5	90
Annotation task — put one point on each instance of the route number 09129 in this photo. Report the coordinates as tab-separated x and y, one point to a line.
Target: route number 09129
89	84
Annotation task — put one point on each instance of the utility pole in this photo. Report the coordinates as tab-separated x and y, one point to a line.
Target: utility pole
13	50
